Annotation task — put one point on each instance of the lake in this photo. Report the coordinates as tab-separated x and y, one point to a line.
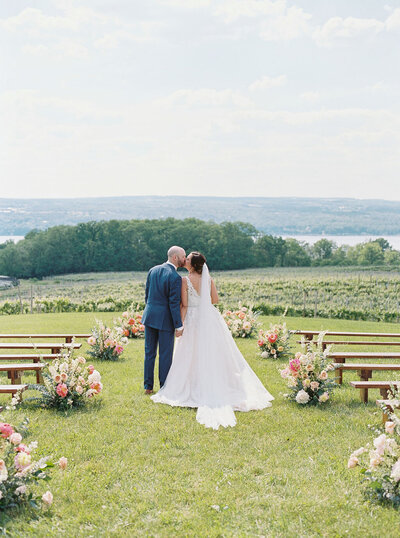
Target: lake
15	238
351	240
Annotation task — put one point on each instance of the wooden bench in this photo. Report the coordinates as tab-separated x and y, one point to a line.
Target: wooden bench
383	386
55	348
310	334
15	370
364	370
342	356
13	389
387	406
67	337
327	343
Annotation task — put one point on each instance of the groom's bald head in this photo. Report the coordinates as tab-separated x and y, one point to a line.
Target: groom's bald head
177	256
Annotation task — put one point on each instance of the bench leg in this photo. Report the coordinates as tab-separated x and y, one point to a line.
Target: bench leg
365	375
364	395
339	375
15	377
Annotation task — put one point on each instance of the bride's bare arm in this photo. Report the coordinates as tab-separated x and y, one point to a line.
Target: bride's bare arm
214	293
184	299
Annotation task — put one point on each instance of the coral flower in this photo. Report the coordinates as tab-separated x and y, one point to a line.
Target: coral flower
272	338
62	390
6	430
131	321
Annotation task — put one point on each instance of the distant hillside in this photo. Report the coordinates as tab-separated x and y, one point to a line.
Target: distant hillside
271	215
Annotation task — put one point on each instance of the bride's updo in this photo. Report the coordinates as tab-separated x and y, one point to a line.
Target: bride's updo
197	261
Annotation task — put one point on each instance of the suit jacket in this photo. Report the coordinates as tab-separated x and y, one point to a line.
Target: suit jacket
163	298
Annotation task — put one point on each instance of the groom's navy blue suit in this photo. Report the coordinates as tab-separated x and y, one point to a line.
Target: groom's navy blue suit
161	317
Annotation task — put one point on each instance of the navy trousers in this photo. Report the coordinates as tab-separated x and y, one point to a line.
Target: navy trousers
165	342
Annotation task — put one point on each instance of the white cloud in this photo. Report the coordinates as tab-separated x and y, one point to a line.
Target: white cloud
186	4
393	21
265	83
207	97
231	10
337	28
310	97
292	24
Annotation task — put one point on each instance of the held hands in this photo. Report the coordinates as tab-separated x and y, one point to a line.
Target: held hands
179	332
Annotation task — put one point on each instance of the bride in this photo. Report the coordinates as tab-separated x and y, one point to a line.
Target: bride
208	371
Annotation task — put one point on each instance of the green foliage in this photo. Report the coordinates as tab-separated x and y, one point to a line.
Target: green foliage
136	245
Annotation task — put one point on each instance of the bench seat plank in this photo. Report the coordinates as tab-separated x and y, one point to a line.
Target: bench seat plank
355	343
383	386
12	389
45	335
29	356
39	345
364	355
14	371
341	333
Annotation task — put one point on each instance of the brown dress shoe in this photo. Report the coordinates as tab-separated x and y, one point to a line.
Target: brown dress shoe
148	391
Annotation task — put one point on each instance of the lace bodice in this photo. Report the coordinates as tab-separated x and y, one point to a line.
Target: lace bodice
193	296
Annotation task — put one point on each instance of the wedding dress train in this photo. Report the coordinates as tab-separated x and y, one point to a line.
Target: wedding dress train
208	371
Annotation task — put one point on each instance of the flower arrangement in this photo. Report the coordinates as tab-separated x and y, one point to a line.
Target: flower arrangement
130	324
242	322
68	382
19	469
380	464
106	344
274	342
307	377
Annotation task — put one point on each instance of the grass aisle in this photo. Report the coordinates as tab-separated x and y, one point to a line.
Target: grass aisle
137	468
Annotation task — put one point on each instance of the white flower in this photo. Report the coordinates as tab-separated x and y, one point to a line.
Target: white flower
395	474
33	446
94	377
324	397
47	497
353	462
21	490
380	444
265	354
358	452
3	471
302	397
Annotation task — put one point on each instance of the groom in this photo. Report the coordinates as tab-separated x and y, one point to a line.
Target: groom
162	316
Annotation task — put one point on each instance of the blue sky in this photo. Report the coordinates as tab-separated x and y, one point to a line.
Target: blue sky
200	97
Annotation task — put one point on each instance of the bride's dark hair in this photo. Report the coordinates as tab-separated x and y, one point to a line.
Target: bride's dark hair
197	261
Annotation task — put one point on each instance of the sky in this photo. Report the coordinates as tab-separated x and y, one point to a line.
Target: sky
200	97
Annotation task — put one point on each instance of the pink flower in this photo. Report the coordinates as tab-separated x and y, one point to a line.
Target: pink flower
63	462
47	497
272	338
125	314
62	390
79	389
22	448
91	368
6	430
260	342
294	365
91	340
15	438
323	375
314	385
108	343
119	349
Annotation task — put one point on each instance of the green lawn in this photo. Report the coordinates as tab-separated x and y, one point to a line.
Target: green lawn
141	469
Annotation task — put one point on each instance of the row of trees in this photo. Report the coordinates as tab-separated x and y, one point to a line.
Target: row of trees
136	245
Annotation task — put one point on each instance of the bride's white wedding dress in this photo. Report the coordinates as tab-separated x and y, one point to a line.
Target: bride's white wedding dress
208	371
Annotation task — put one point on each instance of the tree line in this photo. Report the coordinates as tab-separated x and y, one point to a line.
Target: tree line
136	245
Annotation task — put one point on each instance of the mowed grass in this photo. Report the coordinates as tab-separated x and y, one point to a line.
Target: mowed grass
142	469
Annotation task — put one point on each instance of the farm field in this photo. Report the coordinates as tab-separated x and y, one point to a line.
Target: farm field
332	292
137	468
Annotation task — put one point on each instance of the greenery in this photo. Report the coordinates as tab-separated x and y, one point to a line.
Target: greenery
136	245
270	215
137	468
343	293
